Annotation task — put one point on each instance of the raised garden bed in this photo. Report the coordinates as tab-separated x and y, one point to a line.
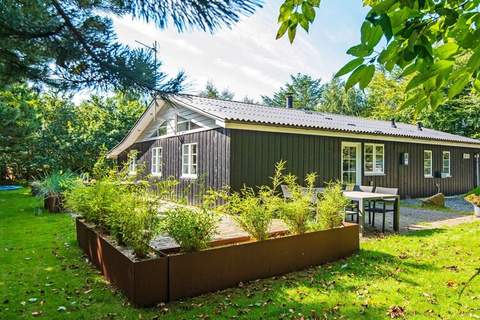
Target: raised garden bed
175	276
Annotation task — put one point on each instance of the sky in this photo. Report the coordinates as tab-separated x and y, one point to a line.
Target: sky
246	59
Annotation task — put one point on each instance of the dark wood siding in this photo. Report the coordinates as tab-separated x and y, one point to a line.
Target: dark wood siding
254	154
213	159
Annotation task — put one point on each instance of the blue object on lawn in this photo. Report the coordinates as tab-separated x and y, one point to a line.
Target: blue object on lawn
6	188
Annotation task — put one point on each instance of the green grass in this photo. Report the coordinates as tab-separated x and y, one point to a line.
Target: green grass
42	270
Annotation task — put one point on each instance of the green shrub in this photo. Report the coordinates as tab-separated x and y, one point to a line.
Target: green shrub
475	191
56	183
297	212
138	224
126	211
331	208
191	229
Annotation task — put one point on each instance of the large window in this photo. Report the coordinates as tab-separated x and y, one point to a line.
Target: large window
157	161
446	164
427	164
374	159
189	160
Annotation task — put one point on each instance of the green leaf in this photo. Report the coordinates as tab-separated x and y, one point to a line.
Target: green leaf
370	34
476	85
283	28
366	76
354	77
292	30
359	51
308	11
474	62
386	26
304	23
349	67
458	85
447	50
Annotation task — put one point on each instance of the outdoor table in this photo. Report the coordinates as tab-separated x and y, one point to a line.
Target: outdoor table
361	197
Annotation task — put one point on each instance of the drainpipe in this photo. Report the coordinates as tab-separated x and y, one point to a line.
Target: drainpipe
477	157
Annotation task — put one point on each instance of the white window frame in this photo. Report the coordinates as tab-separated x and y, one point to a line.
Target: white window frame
358	156
449	173
190	164
157	155
430	175
374	156
132	166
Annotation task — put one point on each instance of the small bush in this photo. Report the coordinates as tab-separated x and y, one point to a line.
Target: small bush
125	210
251	214
297	212
55	184
192	230
331	208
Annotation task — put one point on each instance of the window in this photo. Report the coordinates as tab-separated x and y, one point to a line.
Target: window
374	159
427	164
161	130
132	165
189	160
185	125
157	161
445	164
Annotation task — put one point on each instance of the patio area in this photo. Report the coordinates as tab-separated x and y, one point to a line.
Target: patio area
412	217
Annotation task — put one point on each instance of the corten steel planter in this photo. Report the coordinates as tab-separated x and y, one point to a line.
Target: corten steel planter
182	275
191	274
144	282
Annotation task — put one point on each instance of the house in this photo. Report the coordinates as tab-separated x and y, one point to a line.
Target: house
226	143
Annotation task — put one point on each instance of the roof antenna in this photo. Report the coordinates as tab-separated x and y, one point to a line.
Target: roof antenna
153	48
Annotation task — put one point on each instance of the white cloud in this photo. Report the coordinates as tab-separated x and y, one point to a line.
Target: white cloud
246	58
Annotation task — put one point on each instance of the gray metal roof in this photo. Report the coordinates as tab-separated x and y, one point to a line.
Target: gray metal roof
261	114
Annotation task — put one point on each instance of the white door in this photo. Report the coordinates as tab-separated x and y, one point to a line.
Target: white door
351	165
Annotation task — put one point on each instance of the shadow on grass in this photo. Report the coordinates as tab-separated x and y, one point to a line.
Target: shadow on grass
423	233
328	291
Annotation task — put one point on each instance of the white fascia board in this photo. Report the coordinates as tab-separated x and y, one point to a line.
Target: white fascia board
347	135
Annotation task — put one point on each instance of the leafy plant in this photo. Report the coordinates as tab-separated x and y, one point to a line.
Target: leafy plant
126	211
330	208
254	212
56	183
297	211
191	229
423	39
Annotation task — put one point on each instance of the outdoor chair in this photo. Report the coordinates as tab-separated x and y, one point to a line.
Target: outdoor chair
382	206
287	195
353	209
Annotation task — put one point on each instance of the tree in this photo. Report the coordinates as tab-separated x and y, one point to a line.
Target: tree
306	91
72	44
335	99
461	115
18	132
43	132
211	91
422	39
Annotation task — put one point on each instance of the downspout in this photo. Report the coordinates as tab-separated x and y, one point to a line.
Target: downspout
477	161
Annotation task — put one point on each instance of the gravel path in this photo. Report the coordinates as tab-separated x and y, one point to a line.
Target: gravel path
419	218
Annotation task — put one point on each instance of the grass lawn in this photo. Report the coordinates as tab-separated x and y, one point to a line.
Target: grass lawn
43	274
